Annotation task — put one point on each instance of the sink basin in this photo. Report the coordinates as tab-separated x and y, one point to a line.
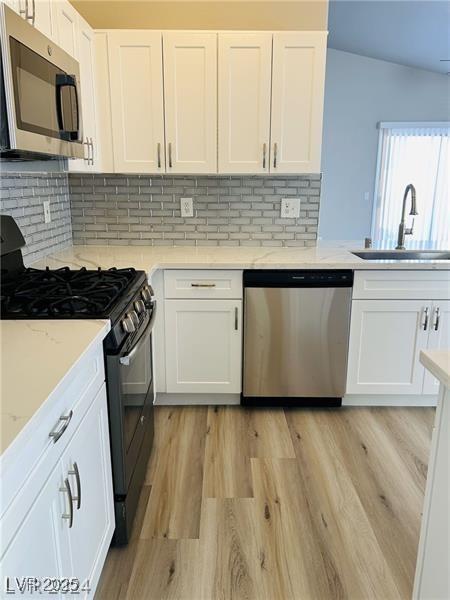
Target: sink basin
430	255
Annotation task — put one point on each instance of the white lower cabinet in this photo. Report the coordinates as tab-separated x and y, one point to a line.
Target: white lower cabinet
41	546
203	346
68	528
87	466
439	339
386	337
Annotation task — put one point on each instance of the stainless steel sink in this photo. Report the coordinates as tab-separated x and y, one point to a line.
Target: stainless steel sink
430	255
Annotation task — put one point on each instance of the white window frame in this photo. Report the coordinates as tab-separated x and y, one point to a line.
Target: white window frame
392	125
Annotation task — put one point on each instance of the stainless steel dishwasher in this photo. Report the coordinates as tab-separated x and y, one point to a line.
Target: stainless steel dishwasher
296	330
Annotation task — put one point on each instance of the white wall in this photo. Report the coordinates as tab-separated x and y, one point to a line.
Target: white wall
360	92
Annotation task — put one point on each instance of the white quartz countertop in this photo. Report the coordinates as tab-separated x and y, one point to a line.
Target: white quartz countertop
35	357
151	258
438	363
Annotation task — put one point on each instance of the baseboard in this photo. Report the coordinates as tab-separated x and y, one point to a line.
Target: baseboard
165	399
291	402
375	400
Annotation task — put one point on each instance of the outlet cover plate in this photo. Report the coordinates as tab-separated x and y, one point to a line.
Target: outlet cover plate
47	212
290	208
187	207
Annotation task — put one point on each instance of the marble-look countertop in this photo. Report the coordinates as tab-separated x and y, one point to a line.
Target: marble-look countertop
35	358
438	363
151	258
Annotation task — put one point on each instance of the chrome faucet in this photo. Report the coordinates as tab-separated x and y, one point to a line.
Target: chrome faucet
402	230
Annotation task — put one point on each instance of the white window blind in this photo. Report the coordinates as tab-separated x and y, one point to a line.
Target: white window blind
417	154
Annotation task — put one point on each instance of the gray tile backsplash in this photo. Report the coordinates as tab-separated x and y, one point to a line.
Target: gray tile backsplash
228	211
22	196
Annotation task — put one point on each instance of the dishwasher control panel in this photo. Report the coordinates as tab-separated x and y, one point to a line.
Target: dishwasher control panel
298	278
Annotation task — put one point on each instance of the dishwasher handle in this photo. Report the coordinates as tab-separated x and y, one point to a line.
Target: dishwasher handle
307	278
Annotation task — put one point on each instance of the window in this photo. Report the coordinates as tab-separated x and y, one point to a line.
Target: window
417	153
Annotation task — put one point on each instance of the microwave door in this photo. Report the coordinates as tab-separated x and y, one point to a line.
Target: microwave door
41	86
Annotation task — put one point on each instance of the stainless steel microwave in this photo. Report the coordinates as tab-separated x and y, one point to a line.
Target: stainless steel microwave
39	94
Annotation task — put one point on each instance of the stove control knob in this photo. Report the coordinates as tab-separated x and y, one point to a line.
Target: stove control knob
139	307
128	325
146	294
132	314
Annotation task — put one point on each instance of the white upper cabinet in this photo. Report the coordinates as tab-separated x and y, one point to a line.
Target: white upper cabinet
86	57
66	21
190	95
136	88
298	81
244	102
44	17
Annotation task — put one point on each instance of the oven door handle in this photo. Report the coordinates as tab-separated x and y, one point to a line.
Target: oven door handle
127	359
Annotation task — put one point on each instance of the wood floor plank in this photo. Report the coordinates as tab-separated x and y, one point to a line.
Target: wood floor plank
174	506
268	434
234	436
360	564
389	505
227	463
297	563
164	570
229	551
120	561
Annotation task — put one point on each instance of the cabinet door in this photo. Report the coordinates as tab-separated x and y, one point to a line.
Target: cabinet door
297	101
245	62
86	57
203	346
386	337
87	464
40	548
17	5
439	339
190	97
66	22
136	80
43	17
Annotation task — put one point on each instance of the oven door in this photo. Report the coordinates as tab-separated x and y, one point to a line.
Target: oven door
41	89
130	398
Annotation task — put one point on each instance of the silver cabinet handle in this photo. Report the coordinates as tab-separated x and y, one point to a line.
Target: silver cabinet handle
66	488
437	318
425	320
159	154
57	433
24	12
264	155
33	14
275	151
76	472
203	285
170	155
236	318
86	143
91	144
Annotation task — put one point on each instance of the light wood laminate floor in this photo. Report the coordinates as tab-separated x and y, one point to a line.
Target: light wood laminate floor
273	504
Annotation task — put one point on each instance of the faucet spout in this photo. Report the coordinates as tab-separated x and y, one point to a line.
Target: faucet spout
402	230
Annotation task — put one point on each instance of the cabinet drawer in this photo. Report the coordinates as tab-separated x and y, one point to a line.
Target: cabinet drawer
399	285
39	452
203	284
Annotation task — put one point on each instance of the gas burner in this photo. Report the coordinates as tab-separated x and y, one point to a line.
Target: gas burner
64	292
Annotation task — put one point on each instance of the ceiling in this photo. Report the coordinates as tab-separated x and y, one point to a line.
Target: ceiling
415	33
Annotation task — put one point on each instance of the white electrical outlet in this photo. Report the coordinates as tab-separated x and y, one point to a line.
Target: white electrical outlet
290	208
47	213
187	207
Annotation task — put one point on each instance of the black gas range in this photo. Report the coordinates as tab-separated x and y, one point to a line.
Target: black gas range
125	298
